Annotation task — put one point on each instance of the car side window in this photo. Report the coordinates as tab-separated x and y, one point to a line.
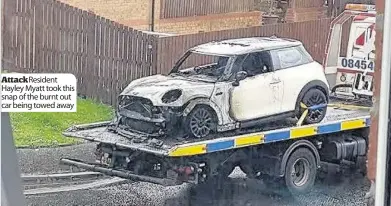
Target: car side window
257	63
251	63
266	62
290	57
237	65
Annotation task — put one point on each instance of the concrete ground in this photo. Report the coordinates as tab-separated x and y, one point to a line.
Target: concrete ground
46	160
346	190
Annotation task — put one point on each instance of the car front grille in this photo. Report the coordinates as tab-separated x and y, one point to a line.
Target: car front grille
140	125
143	107
140	105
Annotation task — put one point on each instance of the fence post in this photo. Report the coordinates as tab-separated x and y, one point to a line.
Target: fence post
87	80
38	9
8	24
155	53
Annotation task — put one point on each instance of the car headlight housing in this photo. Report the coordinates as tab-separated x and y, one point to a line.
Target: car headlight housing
171	96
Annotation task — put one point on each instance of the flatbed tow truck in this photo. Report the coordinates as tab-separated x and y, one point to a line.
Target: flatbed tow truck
285	152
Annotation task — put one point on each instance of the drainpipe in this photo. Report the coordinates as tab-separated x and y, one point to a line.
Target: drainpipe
384	104
152	15
378	124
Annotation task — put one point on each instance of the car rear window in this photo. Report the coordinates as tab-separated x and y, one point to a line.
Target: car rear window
290	57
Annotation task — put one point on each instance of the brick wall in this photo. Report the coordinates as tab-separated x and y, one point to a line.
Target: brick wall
209	23
190	25
305	10
135	13
116	10
305	14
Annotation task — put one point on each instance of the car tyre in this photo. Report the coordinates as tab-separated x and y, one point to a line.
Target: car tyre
311	98
300	171
201	122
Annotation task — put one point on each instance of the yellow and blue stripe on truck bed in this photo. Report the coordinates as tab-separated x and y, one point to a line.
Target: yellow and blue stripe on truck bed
258	138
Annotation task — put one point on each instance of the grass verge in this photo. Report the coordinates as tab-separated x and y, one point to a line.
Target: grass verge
45	129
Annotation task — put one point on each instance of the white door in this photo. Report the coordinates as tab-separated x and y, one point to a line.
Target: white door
259	95
254	98
277	88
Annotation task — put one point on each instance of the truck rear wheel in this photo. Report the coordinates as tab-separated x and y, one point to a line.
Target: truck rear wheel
300	171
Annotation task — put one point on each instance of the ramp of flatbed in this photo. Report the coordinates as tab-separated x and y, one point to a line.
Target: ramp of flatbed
337	119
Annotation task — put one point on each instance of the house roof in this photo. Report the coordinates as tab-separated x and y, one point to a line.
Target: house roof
244	45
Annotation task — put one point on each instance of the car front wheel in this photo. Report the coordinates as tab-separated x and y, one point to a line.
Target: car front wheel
201	122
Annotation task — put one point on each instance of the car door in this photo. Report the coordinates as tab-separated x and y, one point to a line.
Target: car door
276	84
254	97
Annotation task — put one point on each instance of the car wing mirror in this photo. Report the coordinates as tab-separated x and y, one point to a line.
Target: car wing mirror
239	77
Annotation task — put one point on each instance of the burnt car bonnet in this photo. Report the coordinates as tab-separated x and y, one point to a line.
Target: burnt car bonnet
154	87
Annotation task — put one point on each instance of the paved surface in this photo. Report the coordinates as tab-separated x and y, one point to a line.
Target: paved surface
46	160
239	191
334	190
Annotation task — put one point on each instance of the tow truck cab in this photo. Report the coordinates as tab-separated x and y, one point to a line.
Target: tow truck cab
349	63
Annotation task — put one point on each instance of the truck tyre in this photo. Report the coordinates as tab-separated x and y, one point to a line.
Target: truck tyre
300	171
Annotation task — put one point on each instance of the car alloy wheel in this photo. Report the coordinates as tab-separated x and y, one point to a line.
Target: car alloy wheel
312	98
315	99
201	122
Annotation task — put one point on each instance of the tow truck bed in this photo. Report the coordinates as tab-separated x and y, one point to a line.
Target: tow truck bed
339	117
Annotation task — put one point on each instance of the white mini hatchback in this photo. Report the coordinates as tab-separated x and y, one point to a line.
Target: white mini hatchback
230	84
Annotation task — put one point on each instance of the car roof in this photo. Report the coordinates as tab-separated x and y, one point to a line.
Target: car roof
244	45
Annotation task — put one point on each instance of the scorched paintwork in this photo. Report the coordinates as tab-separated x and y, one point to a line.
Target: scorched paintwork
244	46
154	87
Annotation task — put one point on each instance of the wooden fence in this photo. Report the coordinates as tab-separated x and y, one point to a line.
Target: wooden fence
190	8
313	34
49	36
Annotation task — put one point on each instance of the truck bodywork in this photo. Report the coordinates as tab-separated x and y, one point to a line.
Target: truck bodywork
264	151
363	27
350	51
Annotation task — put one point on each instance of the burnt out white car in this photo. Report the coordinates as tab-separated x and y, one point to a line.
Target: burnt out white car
226	85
